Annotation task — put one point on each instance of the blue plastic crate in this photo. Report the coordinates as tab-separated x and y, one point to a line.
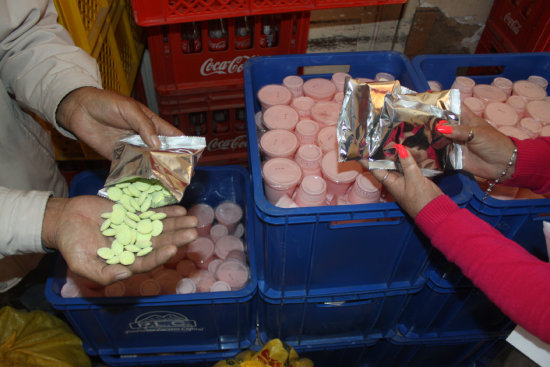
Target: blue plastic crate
200	359
170	323
334	320
519	220
442	312
330	250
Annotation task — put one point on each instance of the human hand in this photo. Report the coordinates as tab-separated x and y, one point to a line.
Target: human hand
488	152
411	190
101	117
72	226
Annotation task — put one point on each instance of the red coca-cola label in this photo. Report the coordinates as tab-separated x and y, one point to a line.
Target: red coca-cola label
263	40
243	42
217	44
197	45
186	46
211	67
238	142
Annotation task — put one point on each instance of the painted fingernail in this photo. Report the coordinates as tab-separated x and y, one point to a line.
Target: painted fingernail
445	129
441	122
403	153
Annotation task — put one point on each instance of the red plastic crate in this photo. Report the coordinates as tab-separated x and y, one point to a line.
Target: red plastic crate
523	25
151	13
226	141
174	70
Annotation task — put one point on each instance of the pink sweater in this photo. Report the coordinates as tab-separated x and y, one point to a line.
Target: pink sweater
516	281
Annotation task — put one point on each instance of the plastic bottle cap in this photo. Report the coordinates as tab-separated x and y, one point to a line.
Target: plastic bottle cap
312	192
501	114
539	80
384	77
303	105
185	267
364	190
218	230
279	143
306	131
326	112
435	85
488	93
226	244
475	104
203	280
229	214
200	250
327	140
205	216
149	287
339	172
220	286
504	84
294	83
274	94
214	265
339	79
530	126
464	84
528	90
513	132
539	110
281	173
233	273
309	157
517	103
186	286
319	89
280	117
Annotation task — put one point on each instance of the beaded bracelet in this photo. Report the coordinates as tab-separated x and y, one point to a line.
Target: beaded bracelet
502	174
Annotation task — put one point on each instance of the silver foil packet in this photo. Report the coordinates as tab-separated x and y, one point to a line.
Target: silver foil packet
172	164
377	115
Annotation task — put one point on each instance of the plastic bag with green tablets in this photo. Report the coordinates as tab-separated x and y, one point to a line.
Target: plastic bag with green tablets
38	339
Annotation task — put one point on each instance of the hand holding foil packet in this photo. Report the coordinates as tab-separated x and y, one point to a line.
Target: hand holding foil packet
377	115
172	164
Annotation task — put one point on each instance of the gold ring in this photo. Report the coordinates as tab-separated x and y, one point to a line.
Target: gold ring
471	135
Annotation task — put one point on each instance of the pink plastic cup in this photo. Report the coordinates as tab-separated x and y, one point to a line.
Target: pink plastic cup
319	89
504	84
384	77
488	94
233	273
281	117
327	140
218	230
339	80
186	267
286	202
309	158
530	126
236	255
303	105
279	144
306	131
281	175
312	192
203	280
339	98
226	244
539	80
220	286
339	176
274	94
539	110
518	103
434	85
239	230
200	250
116	289
229	214
528	90
365	190
465	85
326	113
501	114
476	105
214	265
513	132
205	216
295	84
186	286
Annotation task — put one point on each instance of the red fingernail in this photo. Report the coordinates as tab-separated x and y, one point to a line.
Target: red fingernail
403	153
445	129
441	122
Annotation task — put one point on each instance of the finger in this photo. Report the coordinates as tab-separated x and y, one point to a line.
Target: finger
177	237
411	171
179	222
137	119
162	127
100	272
172	210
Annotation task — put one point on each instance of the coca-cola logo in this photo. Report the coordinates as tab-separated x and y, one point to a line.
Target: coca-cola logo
211	67
238	142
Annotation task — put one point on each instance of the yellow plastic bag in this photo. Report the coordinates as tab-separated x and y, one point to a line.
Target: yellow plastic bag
275	353
38	339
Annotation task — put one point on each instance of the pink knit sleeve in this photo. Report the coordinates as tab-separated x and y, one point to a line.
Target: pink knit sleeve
516	281
532	165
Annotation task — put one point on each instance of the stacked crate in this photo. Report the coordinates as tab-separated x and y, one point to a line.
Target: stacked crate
516	26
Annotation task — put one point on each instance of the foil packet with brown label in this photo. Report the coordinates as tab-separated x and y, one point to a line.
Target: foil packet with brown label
172	165
377	115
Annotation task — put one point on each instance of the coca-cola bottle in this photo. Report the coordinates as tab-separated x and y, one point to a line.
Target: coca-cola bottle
243	34
217	35
269	35
240	119
191	38
198	123
220	119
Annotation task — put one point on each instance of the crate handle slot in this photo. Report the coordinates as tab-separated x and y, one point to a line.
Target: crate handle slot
344	303
322	69
364	222
486	70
